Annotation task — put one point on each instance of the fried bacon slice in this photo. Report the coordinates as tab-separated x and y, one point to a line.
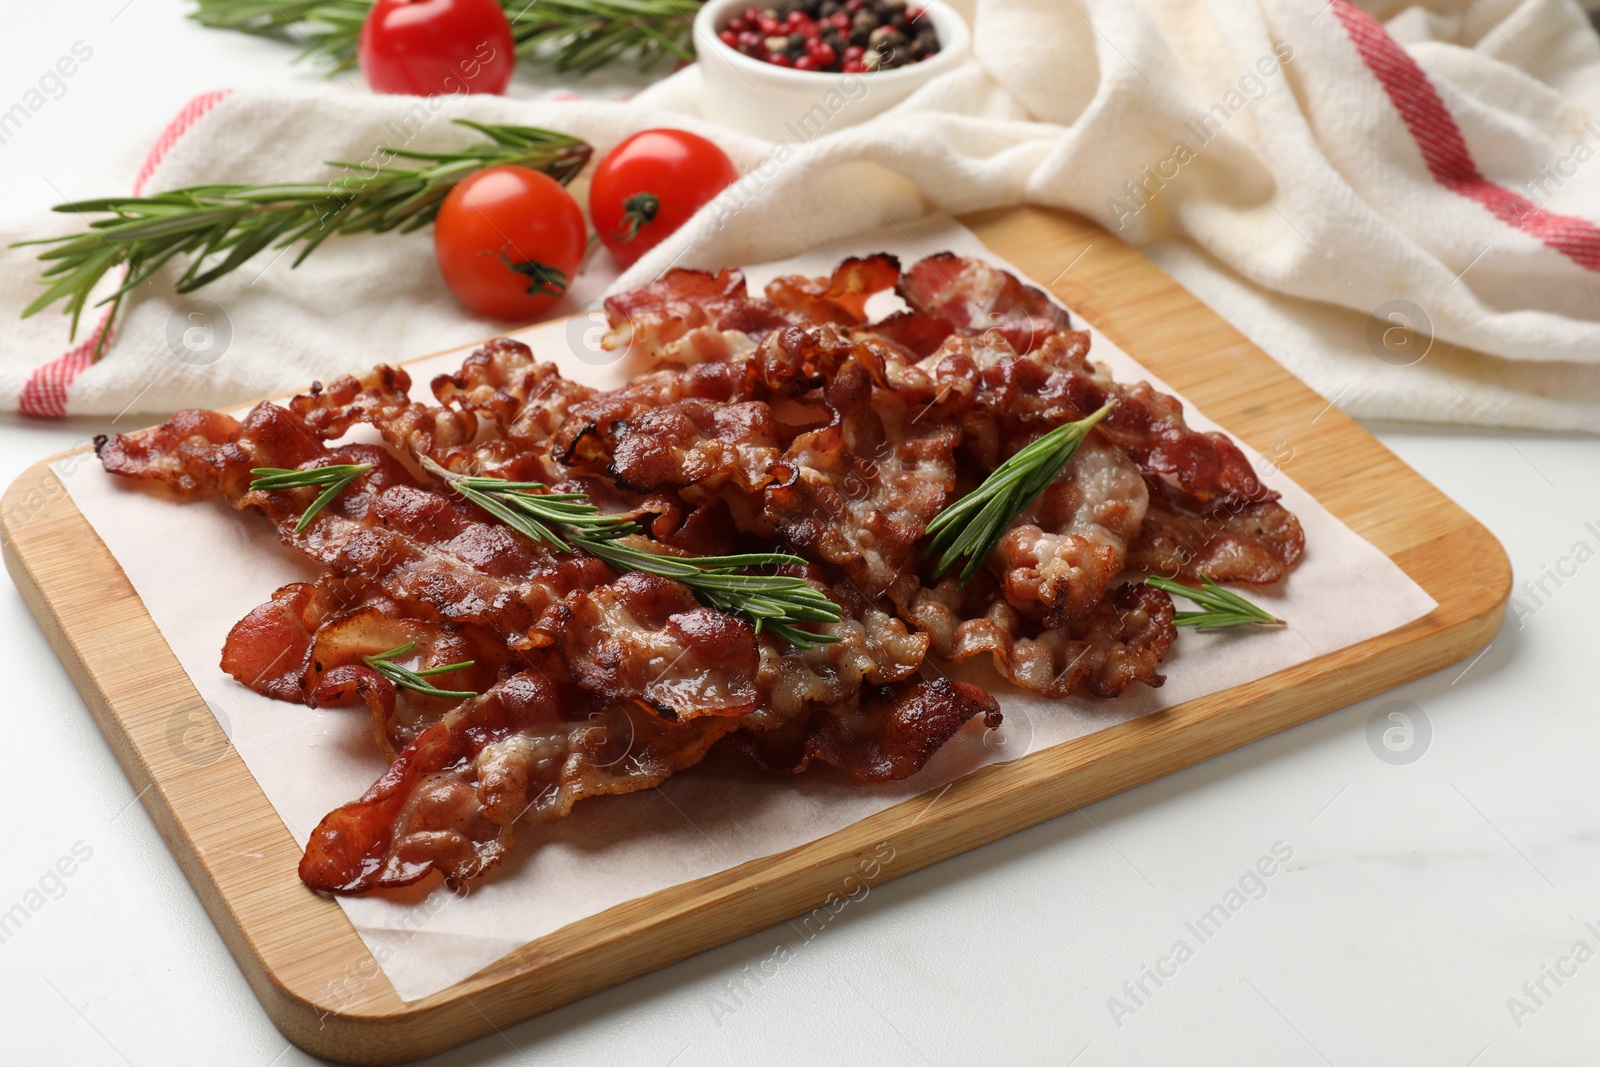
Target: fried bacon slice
966	297
645	638
269	650
785	421
882	734
1208	511
417	545
309	642
526	750
589	433
859	491
1120	642
1062	552
870	646
695	442
689	315
1255	542
180	453
450	435
840	299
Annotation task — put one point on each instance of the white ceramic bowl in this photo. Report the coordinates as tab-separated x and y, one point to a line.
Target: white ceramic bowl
783	104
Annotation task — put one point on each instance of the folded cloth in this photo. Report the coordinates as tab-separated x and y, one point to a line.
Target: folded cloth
1397	202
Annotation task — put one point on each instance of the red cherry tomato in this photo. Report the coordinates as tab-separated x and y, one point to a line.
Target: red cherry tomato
649	185
508	241
436	47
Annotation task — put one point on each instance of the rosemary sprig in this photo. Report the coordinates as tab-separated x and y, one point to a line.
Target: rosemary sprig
973	525
235	222
772	602
1219	607
330	28
336	476
581	36
417	681
567	521
575	36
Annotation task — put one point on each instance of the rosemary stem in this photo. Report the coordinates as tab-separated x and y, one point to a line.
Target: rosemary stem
772	603
220	227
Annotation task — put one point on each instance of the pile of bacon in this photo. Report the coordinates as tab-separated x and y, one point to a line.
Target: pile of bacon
784	423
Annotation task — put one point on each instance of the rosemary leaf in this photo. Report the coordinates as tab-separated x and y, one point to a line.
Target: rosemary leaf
971	527
1219	607
405	677
336	477
773	603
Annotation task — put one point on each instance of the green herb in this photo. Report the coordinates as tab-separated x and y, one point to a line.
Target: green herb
235	222
330	28
565	35
337	477
973	525
581	36
1219	607
771	602
567	521
417	681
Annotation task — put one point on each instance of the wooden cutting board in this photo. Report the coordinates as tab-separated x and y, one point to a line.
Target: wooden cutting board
322	987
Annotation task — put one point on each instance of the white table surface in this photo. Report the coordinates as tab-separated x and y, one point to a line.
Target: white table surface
1419	899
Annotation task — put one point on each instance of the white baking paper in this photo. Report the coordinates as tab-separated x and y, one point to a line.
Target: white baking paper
199	567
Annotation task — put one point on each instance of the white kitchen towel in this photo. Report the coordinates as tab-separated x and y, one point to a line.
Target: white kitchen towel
1399	202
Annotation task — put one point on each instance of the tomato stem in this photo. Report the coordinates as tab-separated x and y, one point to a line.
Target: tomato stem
543	279
639	210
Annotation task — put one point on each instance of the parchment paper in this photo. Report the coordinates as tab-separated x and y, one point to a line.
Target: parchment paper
200	566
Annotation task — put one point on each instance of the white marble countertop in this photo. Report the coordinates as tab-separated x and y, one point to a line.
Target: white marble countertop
1428	912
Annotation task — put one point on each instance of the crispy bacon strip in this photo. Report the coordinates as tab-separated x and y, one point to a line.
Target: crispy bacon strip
1062	552
884	733
1121	642
307	645
841	298
525	401
590	431
696	442
647	639
871	646
525	750
499	386
1207	506
861	490
181	453
967	297
673	316
336	674
1259	542
269	649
